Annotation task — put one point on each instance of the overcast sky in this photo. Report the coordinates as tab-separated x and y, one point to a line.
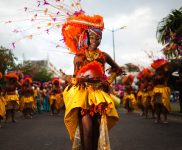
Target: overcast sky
140	16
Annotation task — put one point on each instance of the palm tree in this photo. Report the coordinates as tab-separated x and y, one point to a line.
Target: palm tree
169	33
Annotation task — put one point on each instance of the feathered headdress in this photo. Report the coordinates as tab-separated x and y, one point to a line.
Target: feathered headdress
158	63
144	73
128	79
26	79
74	30
53	15
11	75
55	80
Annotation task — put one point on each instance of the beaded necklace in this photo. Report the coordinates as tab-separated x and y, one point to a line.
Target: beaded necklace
92	54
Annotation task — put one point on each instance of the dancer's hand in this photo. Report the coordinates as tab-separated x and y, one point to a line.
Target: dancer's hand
101	108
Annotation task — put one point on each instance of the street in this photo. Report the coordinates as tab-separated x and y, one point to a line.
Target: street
45	132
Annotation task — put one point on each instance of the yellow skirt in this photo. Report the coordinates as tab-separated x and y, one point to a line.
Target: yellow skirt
145	95
2	106
12	101
58	100
166	93
12	98
78	97
27	102
140	94
132	98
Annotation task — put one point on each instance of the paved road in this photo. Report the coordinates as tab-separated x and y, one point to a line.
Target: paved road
45	132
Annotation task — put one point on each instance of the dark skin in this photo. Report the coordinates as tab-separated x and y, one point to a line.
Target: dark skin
161	78
10	88
94	43
89	125
27	91
56	90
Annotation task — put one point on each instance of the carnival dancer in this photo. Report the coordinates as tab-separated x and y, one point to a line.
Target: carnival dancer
161	90
129	100
140	93
2	103
27	99
56	98
45	95
37	97
87	98
11	96
146	76
148	99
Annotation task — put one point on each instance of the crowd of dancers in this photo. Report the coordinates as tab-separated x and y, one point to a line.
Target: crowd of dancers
29	97
152	94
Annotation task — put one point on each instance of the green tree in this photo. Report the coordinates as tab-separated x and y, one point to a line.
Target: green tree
169	33
132	68
7	59
42	75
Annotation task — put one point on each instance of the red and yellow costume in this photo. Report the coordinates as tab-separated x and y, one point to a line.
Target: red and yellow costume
85	95
165	92
161	82
27	100
2	103
129	96
11	96
56	97
146	86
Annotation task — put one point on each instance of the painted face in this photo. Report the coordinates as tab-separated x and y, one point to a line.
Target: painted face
94	41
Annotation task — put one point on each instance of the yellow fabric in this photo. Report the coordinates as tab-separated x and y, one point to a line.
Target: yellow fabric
141	93
26	100
116	99
2	106
78	97
166	92
58	100
35	92
52	98
132	98
145	95
12	98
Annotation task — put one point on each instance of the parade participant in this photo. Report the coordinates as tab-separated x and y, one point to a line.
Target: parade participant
161	90
129	100
140	94
87	97
2	104
147	91
27	99
11	96
46	104
37	97
56	98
